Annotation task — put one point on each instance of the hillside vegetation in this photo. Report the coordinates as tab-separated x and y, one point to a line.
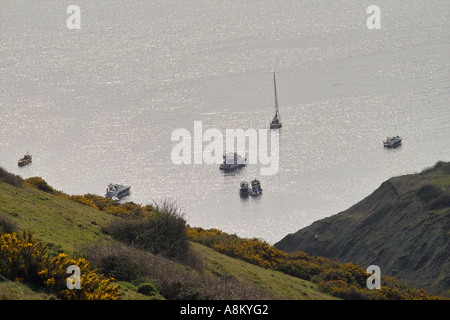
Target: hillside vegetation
130	251
74	227
403	227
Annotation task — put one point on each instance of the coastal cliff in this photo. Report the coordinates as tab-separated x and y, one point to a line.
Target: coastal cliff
403	227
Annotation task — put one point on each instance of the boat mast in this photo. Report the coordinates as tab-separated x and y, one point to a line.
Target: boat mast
276	97
277	114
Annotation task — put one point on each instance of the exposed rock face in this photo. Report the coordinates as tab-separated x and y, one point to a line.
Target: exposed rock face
403	227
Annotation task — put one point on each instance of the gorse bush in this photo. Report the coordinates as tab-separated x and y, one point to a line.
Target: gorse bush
24	259
128	209
93	285
251	250
301	269
41	184
97	202
347	281
341	289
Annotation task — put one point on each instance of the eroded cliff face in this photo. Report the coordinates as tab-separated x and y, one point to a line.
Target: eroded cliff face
403	227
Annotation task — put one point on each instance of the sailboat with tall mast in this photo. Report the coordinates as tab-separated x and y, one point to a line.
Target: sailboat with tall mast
276	121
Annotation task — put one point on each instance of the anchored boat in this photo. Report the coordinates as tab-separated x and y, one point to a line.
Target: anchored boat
256	188
276	121
117	191
232	161
25	160
392	142
244	189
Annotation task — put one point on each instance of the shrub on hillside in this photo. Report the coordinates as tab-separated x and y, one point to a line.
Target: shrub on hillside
10	178
6	225
171	280
120	261
251	250
83	200
347	281
40	184
177	284
93	286
147	289
341	289
301	269
392	289
162	232
99	202
24	259
128	209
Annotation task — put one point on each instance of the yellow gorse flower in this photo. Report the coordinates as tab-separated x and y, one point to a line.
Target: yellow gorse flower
21	255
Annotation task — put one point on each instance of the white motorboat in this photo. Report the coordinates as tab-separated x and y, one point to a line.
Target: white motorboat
232	161
117	191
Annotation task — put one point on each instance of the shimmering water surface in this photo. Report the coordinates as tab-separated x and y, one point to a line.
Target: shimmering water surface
99	104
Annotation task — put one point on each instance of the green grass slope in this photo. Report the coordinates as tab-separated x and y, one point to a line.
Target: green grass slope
61	223
277	283
67	226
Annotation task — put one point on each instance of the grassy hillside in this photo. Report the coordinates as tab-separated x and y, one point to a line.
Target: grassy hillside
403	227
277	283
64	225
151	253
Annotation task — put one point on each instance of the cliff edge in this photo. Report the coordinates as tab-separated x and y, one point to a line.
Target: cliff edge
403	227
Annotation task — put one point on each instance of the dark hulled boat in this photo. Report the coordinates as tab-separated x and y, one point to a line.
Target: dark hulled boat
25	160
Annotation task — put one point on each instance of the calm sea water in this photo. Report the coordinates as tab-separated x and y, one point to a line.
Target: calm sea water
99	104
